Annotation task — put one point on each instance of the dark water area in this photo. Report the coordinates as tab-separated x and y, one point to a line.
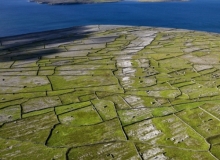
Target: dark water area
21	16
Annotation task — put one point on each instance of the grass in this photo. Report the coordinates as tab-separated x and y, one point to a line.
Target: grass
110	92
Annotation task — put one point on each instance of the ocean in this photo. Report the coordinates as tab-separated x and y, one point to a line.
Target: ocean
21	17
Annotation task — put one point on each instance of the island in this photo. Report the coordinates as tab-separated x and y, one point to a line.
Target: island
60	2
162	0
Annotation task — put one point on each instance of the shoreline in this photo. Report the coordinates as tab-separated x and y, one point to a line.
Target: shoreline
76	27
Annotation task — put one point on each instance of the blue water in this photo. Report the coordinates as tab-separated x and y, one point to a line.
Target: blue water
21	16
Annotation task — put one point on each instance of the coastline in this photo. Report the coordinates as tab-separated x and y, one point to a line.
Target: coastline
66	29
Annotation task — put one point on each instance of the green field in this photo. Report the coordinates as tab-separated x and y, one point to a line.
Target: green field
110	92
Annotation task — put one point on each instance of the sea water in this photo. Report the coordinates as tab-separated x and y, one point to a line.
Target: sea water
21	16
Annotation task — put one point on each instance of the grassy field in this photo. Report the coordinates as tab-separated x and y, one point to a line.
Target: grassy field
110	92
